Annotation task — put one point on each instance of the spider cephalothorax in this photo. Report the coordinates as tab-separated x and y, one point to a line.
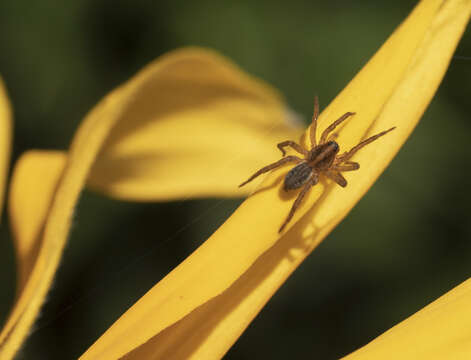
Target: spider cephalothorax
321	158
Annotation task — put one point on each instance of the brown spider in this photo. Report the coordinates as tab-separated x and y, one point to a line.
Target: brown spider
321	158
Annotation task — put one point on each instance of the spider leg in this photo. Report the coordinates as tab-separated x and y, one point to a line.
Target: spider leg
346	166
314	122
313	181
334	125
333	137
292	144
349	154
337	177
272	166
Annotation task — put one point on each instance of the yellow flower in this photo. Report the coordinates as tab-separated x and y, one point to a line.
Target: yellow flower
5	138
158	136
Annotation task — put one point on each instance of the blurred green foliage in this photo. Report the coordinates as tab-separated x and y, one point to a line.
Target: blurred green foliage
405	244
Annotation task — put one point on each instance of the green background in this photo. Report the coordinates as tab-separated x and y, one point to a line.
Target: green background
406	242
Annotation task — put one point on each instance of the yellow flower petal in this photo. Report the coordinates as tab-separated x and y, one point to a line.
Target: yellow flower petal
438	331
34	181
35	177
218	104
202	306
193	131
5	138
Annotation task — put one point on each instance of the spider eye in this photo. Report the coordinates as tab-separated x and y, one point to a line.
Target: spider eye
333	145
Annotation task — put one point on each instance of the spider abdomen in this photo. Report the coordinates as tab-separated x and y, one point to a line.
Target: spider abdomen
297	176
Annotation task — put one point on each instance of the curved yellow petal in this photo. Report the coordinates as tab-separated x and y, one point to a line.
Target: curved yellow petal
116	132
34	180
194	131
203	305
5	139
438	331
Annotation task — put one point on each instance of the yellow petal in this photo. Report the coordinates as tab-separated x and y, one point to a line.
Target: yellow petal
34	180
438	331
193	131
122	133
202	306
5	139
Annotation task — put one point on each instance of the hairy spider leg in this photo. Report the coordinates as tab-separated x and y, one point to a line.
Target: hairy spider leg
333	137
294	145
334	125
337	177
313	129
345	156
272	166
313	181
347	166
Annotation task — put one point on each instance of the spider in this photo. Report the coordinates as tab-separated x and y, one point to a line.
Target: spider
321	158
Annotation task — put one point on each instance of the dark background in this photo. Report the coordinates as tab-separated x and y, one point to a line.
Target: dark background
406	243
